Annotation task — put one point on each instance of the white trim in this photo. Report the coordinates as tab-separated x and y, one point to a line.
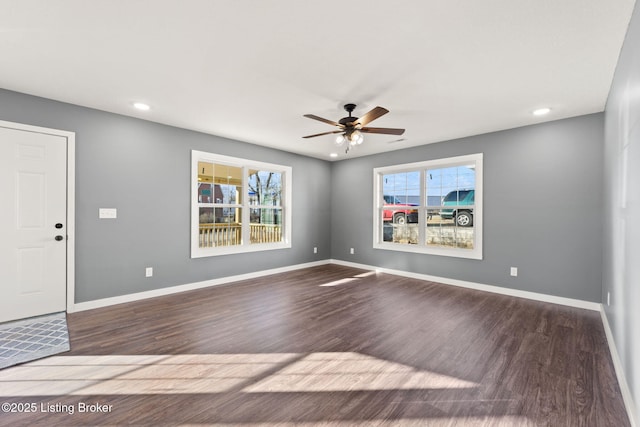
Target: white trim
71	219
71	198
445	161
378	206
627	397
478	286
245	245
105	302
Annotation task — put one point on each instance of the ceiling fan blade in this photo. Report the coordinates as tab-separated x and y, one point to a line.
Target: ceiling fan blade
386	131
314	117
371	116
324	133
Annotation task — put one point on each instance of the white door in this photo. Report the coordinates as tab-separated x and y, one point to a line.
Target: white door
33	194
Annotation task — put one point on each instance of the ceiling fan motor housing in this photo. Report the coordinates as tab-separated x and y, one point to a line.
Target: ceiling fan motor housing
349	108
347	120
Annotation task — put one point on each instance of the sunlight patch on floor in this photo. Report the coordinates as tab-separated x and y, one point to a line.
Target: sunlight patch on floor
120	374
495	421
339	282
321	372
366	274
217	373
346	280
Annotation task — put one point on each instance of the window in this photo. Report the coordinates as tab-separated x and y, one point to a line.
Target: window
431	207
238	205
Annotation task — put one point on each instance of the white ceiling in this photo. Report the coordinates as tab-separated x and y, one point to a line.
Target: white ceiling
249	70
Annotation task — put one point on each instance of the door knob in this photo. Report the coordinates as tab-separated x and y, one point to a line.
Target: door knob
58	225
58	238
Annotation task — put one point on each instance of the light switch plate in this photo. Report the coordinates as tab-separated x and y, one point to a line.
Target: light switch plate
107	213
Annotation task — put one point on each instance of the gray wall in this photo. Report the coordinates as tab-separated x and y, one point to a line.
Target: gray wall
621	267
542	204
143	169
542	209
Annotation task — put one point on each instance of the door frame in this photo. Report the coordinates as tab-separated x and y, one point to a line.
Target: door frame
71	198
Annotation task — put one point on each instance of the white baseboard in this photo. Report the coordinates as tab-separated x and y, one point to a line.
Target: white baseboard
479	286
617	365
105	302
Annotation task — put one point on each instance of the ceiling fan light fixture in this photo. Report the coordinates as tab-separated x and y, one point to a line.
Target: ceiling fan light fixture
359	138
351	129
355	137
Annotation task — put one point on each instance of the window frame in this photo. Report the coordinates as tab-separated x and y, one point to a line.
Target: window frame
421	246
245	241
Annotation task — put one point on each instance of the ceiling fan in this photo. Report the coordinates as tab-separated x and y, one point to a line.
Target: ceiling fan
351	128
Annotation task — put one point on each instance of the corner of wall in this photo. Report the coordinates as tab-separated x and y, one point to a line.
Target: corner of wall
629	403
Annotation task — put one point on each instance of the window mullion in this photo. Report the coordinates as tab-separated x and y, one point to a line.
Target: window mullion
246	228
422	213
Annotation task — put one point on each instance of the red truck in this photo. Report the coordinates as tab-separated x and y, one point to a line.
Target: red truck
399	216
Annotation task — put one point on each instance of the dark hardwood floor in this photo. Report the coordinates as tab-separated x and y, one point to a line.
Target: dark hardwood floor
329	345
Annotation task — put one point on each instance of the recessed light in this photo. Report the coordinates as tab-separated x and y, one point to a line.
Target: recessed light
141	106
541	111
333	155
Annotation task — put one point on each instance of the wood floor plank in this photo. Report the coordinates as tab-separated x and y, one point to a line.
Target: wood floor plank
328	345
